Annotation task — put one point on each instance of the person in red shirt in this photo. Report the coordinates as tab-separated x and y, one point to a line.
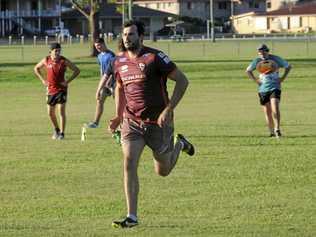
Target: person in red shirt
55	66
144	111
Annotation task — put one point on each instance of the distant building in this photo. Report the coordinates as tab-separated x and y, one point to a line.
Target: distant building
273	5
28	16
110	20
222	9
35	16
300	18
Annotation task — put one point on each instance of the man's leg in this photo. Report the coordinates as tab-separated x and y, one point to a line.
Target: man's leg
275	108
268	116
132	151
52	116
99	110
164	163
62	114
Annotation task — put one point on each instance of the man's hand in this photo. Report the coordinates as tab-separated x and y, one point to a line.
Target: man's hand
258	81
64	83
165	117
114	123
44	82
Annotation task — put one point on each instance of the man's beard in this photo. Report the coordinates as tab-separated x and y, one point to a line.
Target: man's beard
132	47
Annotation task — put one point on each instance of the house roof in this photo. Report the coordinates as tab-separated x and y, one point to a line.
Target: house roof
109	11
306	9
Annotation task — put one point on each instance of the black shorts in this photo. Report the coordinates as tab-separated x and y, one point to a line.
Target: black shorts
265	97
58	98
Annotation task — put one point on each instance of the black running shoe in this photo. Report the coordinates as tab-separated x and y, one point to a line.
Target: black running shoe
61	136
188	147
126	223
272	135
277	133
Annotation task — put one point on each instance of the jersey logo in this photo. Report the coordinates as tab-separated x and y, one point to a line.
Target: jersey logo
124	68
164	57
267	66
122	60
142	66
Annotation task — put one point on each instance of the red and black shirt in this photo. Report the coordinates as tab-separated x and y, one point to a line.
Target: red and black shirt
144	81
55	74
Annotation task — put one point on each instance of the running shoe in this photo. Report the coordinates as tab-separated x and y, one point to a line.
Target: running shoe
55	135
126	223
187	146
61	136
277	133
92	125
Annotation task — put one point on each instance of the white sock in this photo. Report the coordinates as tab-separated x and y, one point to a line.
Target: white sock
133	217
181	144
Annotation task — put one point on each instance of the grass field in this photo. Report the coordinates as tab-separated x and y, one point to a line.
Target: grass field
240	183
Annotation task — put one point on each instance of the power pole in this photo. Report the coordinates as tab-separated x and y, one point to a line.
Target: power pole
212	20
123	12
59	13
130	11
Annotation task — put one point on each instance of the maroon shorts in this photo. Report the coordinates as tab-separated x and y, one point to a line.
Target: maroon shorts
160	140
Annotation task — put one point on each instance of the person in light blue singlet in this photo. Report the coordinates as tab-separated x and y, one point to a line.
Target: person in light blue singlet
269	85
105	57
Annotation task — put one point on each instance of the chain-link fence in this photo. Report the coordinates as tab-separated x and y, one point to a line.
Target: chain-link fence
32	50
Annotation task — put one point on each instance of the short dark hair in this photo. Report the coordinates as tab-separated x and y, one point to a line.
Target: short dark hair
54	45
140	26
99	40
263	47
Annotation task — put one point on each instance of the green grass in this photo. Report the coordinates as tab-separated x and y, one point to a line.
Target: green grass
240	183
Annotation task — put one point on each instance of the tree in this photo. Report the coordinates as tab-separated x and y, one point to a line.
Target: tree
90	9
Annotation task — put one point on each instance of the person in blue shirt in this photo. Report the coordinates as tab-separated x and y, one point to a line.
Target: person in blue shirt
104	57
269	85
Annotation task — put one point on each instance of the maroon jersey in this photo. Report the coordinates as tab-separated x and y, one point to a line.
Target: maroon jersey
55	74
144	81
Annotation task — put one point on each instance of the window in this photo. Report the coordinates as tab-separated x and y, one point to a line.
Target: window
222	5
34	5
4	5
189	5
268	4
253	4
158	5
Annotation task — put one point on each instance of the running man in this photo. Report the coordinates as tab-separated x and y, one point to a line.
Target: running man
145	111
57	86
105	56
269	85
